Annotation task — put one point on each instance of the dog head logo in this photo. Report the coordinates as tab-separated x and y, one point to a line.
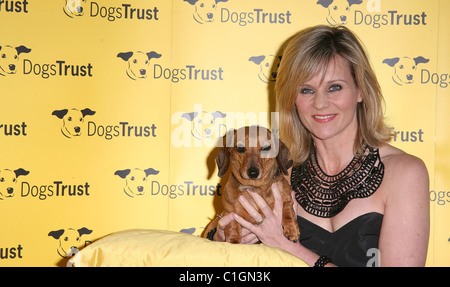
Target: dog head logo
204	10
338	10
268	66
203	124
135	180
138	63
404	68
70	240
8	181
74	8
72	120
9	58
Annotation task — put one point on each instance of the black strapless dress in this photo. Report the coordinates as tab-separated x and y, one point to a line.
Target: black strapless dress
348	246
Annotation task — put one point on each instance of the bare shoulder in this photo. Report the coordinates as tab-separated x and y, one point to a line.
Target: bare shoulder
403	171
400	161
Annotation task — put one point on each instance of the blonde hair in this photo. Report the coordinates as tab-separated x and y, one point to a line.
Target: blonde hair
306	55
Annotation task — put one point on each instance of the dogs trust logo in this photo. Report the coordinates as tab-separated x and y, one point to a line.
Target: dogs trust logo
72	120
8	181
9	58
74	8
203	124
338	10
138	63
135	180
70	240
268	65
205	10
404	69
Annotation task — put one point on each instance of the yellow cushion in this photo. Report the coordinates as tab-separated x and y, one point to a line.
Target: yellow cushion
144	247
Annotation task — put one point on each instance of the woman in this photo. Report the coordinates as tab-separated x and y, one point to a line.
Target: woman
358	199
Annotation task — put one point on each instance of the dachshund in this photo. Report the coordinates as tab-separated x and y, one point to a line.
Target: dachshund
257	159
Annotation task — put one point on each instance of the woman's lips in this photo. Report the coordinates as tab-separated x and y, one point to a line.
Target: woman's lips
324	118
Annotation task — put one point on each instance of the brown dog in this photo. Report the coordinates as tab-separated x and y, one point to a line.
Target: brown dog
257	159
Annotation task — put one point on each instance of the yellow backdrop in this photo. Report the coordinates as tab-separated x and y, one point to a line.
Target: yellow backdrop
111	109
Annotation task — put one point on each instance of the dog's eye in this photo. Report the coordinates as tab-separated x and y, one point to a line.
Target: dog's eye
134	61
2	179
132	178
202	5
413	67
69	119
335	7
14	180
266	148
66	238
3	56
401	66
240	149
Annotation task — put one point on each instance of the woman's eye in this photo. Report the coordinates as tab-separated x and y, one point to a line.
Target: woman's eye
306	91
334	88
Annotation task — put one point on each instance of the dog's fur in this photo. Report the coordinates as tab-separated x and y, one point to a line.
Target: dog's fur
256	160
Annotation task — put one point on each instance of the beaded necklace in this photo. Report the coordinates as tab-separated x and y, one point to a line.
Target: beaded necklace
324	195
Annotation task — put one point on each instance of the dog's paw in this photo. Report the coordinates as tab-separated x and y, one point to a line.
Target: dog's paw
291	232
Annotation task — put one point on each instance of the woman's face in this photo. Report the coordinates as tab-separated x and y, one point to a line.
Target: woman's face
327	108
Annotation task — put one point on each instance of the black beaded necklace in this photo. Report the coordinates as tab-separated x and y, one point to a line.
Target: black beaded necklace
324	195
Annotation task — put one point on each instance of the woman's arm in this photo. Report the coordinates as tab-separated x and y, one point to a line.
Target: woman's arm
406	222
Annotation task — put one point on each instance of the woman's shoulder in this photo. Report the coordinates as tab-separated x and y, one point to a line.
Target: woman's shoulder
401	166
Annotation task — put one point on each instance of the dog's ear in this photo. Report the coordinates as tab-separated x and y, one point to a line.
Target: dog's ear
325	3
56	234
22	49
223	161
152	55
257	59
192	2
60	113
352	2
217	1
20	172
189	116
151	171
223	157
125	56
84	230
283	158
87	112
391	61
123	173
218	114
421	60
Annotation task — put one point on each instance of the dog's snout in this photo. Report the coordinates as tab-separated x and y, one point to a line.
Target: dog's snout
253	172
77	129
12	67
409	77
143	72
210	15
80	9
140	188
10	190
343	18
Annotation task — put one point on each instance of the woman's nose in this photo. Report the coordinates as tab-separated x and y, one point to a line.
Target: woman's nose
321	100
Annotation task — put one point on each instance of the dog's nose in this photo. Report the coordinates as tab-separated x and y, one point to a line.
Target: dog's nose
10	190
142	71
253	172
77	129
80	9
210	15
409	77
12	67
140	188
343	18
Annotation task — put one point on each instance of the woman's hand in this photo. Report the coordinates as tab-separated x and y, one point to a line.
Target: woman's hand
270	230
247	236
